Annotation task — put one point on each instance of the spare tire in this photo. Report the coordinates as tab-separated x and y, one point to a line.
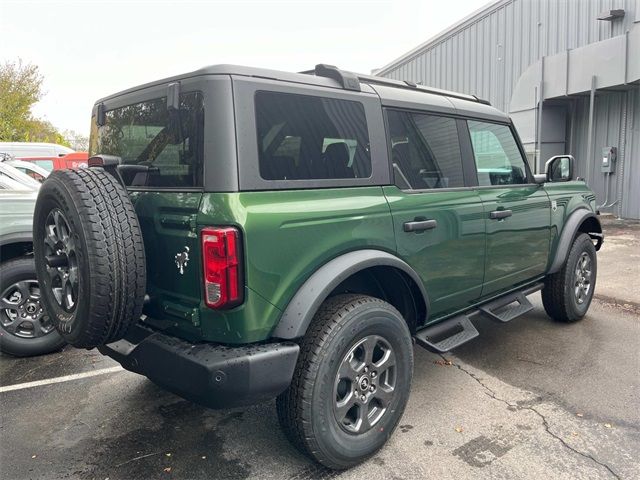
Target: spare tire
89	256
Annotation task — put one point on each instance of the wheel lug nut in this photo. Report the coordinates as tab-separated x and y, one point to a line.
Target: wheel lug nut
373	374
372	388
366	369
363	398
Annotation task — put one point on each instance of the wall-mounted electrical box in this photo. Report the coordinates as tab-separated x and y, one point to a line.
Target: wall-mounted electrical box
608	164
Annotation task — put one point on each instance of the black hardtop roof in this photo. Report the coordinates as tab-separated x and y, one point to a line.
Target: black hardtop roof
332	77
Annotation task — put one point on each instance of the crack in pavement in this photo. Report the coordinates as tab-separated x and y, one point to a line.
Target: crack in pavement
545	423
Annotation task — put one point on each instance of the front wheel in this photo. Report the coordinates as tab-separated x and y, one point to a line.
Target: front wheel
351	383
567	294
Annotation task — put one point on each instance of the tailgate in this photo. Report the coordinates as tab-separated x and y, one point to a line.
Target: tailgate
172	246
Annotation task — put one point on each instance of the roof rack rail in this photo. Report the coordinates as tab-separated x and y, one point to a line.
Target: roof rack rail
348	80
351	81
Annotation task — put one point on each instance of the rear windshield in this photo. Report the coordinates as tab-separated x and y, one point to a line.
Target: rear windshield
302	137
164	148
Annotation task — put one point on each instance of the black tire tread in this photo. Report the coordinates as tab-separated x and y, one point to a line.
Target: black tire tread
294	419
554	294
115	254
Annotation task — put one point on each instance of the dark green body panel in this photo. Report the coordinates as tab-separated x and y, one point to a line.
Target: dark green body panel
565	198
517	246
449	258
168	223
287	235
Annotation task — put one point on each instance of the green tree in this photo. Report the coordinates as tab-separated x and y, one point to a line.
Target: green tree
20	89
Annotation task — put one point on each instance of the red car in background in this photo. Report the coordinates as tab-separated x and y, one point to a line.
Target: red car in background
70	160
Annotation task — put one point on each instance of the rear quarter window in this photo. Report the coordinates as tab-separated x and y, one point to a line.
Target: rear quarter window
303	137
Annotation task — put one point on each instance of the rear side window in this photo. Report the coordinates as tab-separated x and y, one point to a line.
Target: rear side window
164	148
303	137
498	158
425	151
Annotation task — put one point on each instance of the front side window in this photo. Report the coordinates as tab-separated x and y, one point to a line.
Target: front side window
425	151
498	158
301	137
163	147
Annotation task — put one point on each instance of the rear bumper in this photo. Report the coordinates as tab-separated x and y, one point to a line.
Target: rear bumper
213	375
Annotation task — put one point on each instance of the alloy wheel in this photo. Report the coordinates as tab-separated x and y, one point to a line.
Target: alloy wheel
365	384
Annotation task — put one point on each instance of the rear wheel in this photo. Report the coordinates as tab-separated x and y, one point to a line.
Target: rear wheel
567	294
351	383
89	256
25	327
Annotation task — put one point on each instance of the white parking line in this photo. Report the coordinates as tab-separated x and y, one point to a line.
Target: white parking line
66	378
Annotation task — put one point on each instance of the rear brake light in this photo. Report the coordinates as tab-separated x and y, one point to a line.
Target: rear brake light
221	259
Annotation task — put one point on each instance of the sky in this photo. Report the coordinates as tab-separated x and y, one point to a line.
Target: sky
88	49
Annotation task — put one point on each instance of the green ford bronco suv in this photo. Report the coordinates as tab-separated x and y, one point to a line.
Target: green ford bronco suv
243	234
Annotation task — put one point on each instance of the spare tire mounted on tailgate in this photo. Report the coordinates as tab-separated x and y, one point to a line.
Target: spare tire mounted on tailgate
89	256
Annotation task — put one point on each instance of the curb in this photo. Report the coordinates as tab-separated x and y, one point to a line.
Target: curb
629	306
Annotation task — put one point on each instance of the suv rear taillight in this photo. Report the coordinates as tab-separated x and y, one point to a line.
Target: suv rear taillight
221	259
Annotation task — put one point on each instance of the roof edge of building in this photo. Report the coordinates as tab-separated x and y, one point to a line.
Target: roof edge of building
492	5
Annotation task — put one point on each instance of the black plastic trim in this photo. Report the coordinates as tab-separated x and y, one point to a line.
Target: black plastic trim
213	375
569	231
18	237
300	311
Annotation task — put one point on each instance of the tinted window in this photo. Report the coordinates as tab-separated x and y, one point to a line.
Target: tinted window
425	151
166	146
498	159
302	137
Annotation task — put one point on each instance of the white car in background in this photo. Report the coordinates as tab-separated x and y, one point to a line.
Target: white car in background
34	149
25	327
25	182
32	169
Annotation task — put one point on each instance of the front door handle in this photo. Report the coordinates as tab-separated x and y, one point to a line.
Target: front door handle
420	225
500	214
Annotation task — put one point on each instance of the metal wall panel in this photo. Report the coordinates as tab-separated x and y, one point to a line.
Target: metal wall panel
616	114
486	54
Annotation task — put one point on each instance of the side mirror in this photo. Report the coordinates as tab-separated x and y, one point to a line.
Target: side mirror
560	168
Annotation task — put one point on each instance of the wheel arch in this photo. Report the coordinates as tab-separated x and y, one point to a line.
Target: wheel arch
372	272
15	245
580	221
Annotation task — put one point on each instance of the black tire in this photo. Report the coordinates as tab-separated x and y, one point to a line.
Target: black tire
307	410
87	218
559	297
19	295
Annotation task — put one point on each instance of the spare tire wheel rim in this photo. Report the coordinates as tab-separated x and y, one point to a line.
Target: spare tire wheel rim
61	260
365	384
22	314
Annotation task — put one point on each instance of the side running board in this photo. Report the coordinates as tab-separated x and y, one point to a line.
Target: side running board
455	331
447	335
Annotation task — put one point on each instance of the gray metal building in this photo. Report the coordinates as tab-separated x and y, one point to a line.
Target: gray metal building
568	73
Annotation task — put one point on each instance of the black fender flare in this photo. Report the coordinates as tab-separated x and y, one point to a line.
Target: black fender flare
303	306
569	231
18	237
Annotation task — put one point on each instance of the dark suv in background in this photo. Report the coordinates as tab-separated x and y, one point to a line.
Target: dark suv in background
243	234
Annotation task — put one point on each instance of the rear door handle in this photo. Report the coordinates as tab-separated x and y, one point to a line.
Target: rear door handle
420	225
500	214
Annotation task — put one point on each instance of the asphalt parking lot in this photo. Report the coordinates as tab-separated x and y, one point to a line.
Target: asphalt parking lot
529	399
